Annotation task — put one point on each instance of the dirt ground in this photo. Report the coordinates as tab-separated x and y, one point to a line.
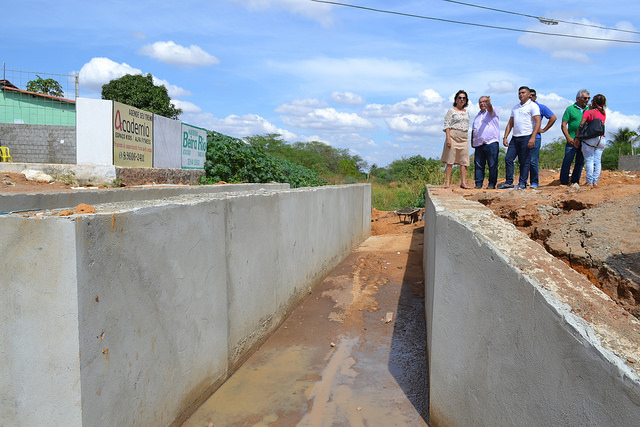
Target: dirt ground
17	183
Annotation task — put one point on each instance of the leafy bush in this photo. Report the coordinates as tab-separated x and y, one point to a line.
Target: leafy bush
335	165
232	160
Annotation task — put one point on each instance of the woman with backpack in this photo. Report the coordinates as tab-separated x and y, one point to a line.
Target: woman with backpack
593	146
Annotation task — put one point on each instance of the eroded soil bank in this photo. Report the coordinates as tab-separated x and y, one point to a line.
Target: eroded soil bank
594	230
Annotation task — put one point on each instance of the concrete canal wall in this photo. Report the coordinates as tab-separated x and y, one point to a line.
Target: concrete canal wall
131	315
514	336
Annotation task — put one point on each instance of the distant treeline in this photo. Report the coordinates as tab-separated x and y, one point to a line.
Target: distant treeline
269	158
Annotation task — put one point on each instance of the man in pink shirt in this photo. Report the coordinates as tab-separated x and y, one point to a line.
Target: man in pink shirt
485	135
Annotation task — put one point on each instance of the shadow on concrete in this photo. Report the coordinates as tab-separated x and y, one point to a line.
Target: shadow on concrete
408	356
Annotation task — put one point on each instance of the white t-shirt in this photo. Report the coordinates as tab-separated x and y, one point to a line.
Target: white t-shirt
523	115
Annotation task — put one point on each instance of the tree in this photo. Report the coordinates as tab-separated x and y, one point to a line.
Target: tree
139	91
45	86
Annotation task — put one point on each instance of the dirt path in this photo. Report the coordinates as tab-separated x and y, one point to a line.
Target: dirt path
353	353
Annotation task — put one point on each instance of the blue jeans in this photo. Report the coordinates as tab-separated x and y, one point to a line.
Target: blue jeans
518	147
569	153
533	165
486	154
592	162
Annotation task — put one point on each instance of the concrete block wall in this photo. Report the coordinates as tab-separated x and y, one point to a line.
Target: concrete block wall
506	344
39	143
130	315
629	163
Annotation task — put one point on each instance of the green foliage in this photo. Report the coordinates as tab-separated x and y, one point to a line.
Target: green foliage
416	169
330	163
232	160
45	86
552	154
347	167
394	196
139	91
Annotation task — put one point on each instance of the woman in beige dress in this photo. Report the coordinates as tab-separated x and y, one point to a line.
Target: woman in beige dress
456	144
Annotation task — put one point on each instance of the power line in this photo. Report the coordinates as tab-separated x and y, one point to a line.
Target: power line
548	21
495	27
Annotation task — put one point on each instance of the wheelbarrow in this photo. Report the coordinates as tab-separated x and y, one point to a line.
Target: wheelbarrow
409	213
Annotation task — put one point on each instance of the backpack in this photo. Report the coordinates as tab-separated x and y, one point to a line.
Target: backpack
591	129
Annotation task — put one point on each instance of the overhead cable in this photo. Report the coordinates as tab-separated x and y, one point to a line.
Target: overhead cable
547	21
495	27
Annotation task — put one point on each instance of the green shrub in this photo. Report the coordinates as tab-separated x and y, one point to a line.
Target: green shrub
232	160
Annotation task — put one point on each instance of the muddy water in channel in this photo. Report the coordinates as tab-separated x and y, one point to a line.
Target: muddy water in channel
352	354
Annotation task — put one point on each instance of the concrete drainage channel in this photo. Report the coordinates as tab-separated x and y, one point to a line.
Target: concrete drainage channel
150	303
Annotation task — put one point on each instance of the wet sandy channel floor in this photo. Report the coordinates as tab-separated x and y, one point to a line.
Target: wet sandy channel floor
353	353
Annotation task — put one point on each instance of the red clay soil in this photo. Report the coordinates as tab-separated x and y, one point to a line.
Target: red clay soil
17	183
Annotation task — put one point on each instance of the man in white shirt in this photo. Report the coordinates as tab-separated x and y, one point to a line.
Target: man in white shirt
525	122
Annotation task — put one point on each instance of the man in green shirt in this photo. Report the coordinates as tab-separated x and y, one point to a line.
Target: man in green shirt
570	122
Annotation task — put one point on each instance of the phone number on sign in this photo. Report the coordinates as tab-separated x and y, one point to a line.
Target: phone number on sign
134	157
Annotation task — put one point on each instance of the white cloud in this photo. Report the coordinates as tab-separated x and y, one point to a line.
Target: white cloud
238	126
430	96
410	124
173	90
347	98
503	86
186	107
99	71
428	102
329	120
300	107
616	120
555	102
575	48
181	56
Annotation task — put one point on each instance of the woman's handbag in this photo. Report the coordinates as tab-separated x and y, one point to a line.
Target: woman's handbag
591	129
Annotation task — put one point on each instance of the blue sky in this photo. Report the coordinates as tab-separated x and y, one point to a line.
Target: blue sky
377	84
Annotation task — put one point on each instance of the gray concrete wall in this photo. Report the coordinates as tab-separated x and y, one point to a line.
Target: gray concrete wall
506	346
39	143
129	315
94	131
16	202
166	142
629	163
39	363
